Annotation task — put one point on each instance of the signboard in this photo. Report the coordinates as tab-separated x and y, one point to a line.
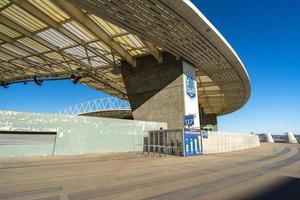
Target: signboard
189	120
192	143
190	86
191	104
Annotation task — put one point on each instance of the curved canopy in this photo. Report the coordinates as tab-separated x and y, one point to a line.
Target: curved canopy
86	41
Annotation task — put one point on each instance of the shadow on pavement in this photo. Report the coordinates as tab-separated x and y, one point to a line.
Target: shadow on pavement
288	188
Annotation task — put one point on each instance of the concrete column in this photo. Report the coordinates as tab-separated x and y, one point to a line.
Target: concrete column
211	119
207	119
269	138
157	92
291	138
201	114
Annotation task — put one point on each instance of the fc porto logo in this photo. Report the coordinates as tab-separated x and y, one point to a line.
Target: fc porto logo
190	86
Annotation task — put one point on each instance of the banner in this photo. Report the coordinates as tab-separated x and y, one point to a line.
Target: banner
190	93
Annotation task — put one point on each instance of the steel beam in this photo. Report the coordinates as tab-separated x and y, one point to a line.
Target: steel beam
48	20
27	33
94	28
154	51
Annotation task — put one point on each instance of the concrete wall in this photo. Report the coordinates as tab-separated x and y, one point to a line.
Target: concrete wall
75	134
218	142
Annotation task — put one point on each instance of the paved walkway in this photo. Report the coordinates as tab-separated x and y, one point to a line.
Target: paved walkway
271	171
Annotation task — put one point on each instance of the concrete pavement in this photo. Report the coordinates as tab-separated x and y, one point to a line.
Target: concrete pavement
271	171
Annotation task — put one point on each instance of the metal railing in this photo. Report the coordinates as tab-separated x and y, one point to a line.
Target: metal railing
97	105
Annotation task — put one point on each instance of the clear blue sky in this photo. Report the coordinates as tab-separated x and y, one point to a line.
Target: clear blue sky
266	36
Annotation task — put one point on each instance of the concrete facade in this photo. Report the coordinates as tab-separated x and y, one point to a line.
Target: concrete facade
156	91
74	134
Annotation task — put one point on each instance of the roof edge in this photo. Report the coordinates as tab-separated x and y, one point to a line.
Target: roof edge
189	11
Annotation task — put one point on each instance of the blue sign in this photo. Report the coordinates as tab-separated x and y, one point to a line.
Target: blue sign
189	120
190	86
192	143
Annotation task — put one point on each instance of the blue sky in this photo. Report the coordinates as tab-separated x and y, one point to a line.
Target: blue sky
266	36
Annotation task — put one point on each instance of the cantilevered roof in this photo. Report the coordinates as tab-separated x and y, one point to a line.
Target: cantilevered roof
87	40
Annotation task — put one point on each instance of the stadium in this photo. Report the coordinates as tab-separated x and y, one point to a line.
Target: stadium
162	56
137	89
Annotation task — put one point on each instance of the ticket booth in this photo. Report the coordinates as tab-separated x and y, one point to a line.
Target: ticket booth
180	142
